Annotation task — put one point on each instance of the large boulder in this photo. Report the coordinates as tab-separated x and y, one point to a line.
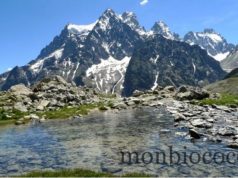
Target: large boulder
20	90
20	107
190	93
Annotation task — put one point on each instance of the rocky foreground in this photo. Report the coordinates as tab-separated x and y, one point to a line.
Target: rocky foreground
207	122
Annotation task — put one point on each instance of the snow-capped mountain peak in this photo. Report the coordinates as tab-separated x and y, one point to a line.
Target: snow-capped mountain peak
99	55
215	45
80	29
107	17
161	28
131	19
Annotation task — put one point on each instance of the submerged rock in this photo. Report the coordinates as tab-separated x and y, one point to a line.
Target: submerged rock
194	134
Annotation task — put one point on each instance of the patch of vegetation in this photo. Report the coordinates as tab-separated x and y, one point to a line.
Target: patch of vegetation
67	112
225	99
110	104
9	117
77	173
18	114
103	95
103	108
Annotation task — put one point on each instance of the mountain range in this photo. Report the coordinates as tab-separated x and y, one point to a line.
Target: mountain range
117	55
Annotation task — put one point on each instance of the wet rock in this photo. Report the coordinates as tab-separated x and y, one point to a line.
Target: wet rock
19	122
194	134
34	117
112	170
42	120
120	105
233	145
164	131
227	131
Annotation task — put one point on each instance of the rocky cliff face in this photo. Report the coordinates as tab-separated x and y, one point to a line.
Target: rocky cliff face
98	55
159	61
231	62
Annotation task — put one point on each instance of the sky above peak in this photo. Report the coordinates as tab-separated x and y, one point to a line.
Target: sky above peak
27	26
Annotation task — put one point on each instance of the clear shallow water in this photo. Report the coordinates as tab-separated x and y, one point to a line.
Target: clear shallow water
95	142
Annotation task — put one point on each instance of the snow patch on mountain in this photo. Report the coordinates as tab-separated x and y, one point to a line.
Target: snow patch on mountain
37	66
108	74
154	60
81	29
213	36
221	56
156	82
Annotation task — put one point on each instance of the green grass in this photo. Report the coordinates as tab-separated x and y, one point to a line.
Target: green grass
225	99
103	95
14	115
66	112
61	113
77	173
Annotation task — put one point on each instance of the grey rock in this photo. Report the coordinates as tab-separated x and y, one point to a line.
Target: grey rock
179	117
34	117
227	131
192	93
200	123
20	107
136	100
20	89
42	105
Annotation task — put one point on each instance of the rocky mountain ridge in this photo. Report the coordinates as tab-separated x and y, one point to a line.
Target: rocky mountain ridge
98	55
215	44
